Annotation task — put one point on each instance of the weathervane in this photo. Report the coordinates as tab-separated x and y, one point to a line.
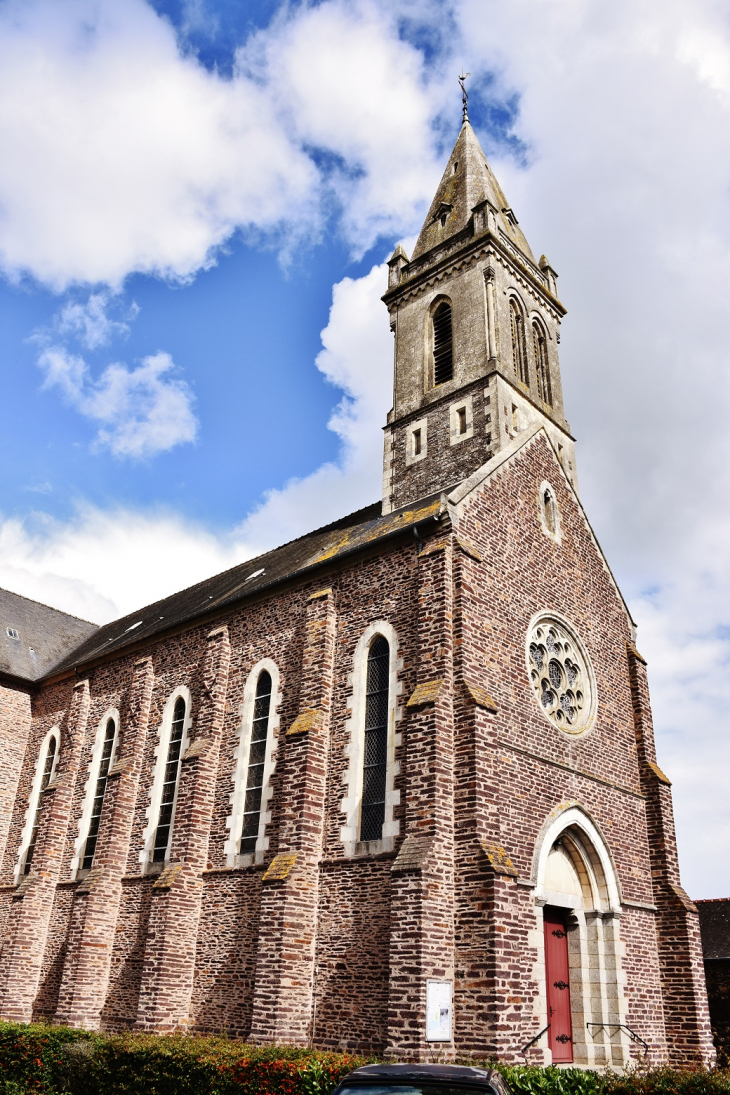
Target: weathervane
464	97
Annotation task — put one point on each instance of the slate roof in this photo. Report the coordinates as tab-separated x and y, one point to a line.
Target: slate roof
460	190
353	533
45	636
715	927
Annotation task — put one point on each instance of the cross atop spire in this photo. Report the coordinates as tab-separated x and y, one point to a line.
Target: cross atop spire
464	97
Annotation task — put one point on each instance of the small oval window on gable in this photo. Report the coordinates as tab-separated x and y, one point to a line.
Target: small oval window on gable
443	346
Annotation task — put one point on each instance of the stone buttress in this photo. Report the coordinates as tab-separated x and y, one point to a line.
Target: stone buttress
85	979
686	1011
285	958
172	933
422	894
32	902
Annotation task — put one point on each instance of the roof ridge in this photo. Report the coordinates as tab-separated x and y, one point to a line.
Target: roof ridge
51	608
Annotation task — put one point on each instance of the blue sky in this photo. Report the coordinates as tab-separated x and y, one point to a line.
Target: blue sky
196	201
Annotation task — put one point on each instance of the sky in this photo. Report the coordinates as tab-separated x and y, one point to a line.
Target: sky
197	199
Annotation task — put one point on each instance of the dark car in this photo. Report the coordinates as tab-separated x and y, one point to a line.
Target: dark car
422	1079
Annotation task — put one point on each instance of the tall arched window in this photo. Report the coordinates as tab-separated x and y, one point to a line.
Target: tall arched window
375	754
105	760
541	365
48	766
169	784
519	350
256	763
443	344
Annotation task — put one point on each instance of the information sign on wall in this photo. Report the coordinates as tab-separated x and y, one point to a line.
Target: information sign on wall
438	1011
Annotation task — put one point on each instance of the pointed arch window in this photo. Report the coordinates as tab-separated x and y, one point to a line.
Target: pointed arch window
544	389
443	344
519	350
375	755
47	769
105	761
256	764
170	781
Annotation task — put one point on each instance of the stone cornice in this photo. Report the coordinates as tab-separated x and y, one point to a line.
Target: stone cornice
473	249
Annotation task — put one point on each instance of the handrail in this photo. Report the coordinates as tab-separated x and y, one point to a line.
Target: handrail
535	1039
621	1026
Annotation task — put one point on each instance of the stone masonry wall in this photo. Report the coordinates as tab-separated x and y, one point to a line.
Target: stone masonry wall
305	943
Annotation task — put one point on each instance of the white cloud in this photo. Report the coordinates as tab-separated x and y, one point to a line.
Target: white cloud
142	411
357	358
102	564
122	153
90	322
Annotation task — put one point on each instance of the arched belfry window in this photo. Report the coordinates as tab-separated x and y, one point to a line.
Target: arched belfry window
171	776
99	778
375	754
542	371
443	344
519	350
44	773
256	764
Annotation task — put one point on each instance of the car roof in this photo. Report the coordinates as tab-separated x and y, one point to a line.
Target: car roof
454	1074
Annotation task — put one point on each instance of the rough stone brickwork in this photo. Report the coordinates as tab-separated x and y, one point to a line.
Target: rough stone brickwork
715	931
495	812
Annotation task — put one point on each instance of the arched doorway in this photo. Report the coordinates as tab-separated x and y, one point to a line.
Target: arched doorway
578	907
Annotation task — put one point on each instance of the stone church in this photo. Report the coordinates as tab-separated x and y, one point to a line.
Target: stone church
391	787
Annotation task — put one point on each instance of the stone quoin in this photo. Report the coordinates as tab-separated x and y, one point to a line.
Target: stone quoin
391	787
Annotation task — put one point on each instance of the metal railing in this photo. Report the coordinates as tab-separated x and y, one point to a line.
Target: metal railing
620	1026
535	1039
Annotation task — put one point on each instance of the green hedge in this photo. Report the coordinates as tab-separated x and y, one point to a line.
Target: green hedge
52	1060
56	1059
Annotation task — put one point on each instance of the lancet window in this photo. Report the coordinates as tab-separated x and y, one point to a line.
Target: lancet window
443	344
256	764
104	764
375	753
542	371
519	349
170	781
48	766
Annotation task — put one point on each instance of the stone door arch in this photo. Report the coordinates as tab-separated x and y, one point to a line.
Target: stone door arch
574	873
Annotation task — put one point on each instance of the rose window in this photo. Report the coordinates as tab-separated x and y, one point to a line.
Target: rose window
560	673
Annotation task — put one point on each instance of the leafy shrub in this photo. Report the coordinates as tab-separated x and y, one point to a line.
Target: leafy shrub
53	1060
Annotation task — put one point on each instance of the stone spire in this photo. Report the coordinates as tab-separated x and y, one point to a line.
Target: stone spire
467	181
477	325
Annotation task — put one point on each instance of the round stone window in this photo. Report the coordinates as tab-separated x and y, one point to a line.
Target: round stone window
561	675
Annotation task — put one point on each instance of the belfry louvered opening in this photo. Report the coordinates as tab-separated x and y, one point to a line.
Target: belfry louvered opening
544	388
107	751
169	786
519	350
256	762
443	344
375	758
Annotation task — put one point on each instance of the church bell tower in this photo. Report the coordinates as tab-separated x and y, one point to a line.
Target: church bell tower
477	324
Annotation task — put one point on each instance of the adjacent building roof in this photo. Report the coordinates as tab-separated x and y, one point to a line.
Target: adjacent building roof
34	637
353	533
467	181
715	927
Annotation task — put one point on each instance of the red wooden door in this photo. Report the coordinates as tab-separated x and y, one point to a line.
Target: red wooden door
557	973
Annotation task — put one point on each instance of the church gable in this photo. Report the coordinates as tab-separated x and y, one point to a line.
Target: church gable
540	559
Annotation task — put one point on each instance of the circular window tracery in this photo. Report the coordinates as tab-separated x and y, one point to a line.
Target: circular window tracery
561	675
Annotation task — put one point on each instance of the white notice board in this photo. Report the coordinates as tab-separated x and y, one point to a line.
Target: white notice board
438	1011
